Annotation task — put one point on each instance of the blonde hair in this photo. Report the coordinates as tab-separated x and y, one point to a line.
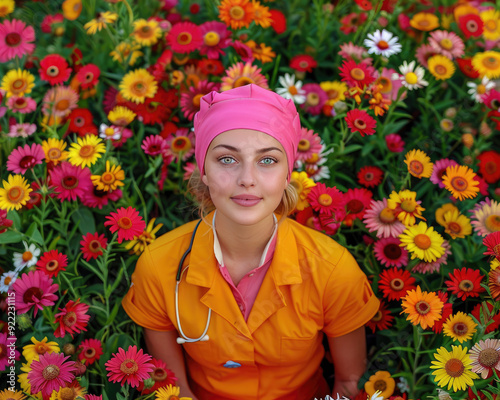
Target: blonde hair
201	196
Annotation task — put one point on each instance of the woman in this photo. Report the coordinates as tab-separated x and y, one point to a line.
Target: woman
257	290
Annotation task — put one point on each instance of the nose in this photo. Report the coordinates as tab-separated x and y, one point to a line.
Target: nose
246	176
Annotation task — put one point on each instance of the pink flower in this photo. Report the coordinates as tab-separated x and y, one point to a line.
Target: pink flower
395	143
439	170
424	52
381	219
23	105
90	351
127	222
185	37
360	121
129	366
216	37
50	372
316	97
15	38
34	289
98	198
21	130
6	340
389	252
492	242
309	144
154	145
72	319
70	182
390	87
447	43
88	76
24	158
4	221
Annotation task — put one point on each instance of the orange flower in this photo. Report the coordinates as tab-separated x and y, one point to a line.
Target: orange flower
236	13
423	308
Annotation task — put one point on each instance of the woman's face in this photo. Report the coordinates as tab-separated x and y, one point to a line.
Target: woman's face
246	172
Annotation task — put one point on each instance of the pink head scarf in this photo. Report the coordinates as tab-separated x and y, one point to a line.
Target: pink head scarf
247	107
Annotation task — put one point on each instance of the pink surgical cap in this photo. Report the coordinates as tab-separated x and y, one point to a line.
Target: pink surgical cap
247	107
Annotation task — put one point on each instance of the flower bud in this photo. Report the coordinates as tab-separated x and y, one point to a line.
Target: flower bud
69	349
80	368
23	321
468	140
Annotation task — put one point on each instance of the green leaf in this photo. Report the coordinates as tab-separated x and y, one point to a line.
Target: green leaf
14	216
85	220
34	234
11	237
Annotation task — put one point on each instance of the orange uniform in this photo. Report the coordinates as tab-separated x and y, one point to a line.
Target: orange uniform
313	285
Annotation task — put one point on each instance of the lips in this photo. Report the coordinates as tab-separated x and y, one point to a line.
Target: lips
246	200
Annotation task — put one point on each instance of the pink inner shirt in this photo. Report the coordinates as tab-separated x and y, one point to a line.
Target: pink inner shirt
246	291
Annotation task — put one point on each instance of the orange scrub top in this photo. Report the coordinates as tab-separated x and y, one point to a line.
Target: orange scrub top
313	285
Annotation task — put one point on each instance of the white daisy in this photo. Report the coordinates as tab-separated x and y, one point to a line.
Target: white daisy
26	259
377	396
110	132
290	89
6	280
477	90
383	43
411	77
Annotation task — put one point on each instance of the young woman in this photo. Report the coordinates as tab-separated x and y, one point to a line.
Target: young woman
237	303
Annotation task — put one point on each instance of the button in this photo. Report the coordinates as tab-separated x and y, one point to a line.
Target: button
231	364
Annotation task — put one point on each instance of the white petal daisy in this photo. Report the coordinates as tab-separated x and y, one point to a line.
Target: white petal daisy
26	259
110	132
291	89
382	43
6	280
411	77
477	90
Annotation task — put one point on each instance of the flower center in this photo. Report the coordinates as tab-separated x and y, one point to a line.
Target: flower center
454	227
69	319
145	32
472	26
481	89
489	357
90	352
325	199
492	223
304	145
196	100
459	184
184	38
237	12
27	255
408	206
211	38
491	25
15	194
423	23
293	90
312	99
52	265
440	69
454	368
32	292
491	63
416	167
385	83
181	144
86	151
357	74
446	44
13	39
54	153
466	285
422	241
297	185
19	85
460	329
411	78
20	103
422	307
40	348
392	251
50	372
380	385
333	94
387	216
360	123
52	71
125	223
27	162
109	131
67	393
383	45
62	105
108	178
69	182
89	77
378	316
159	374
95	246
7	280
129	367
355	206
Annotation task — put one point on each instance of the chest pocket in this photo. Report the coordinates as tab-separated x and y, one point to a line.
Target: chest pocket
297	350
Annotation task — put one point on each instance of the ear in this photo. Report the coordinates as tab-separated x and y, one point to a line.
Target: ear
204	179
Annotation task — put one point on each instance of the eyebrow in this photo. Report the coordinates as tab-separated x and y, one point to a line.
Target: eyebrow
260	151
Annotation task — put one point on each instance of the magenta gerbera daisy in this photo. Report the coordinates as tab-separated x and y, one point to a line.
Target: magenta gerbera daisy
96	198
395	143
190	100
93	245
15	38
54	69
185	37
34	290
70	181
316	98
381	219
447	43
129	366
390	253
24	158
439	170
359	75
326	200
21	130
50	372
127	222
21	104
357	202
216	37
90	350
180	144
154	145
309	144
72	319
359	121
52	262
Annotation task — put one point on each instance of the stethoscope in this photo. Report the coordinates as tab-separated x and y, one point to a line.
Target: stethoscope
183	338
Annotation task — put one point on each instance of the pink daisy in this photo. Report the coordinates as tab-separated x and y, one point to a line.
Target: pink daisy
180	144
7	342
380	218
34	289
70	182
154	145
485	216
24	158
72	319
316	98
357	202
23	105
389	252
243	51
127	222
216	37
22	130
190	100
50	372
424	52
350	50
90	350
326	200
309	144
93	397
98	198
129	366
59	101
185	37
395	143
15	38
439	170
447	43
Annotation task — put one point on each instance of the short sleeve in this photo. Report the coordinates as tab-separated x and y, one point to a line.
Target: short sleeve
348	301
145	301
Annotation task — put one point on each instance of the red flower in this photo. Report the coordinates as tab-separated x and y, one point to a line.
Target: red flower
93	245
127	222
489	165
154	110
370	176
90	351
445	313
471	25
211	67
357	202
492	242
278	21
382	319
357	75
88	76
395	282
491	321
359	121
161	376
326	200
394	143
465	65
303	63
79	120
185	37
351	22
4	221
129	366
465	283
72	319
364	4
54	69
51	262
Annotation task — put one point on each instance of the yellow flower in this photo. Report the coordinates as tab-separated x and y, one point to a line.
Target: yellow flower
453	368
441	67
419	164
126	52
442	210
487	64
303	185
146	32
335	91
456	225
169	393
381	381
110	179
491	19
8	394
147	237
137	85
422	242
17	82
72	9
423	308
99	23
6	7
459	180
121	116
494	264
261	52
405	206
39	347
15	193
86	151
71	391
54	150
424	21
459	327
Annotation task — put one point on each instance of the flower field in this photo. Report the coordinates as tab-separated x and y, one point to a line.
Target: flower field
399	161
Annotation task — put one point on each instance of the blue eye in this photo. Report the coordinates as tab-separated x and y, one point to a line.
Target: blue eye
268	161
